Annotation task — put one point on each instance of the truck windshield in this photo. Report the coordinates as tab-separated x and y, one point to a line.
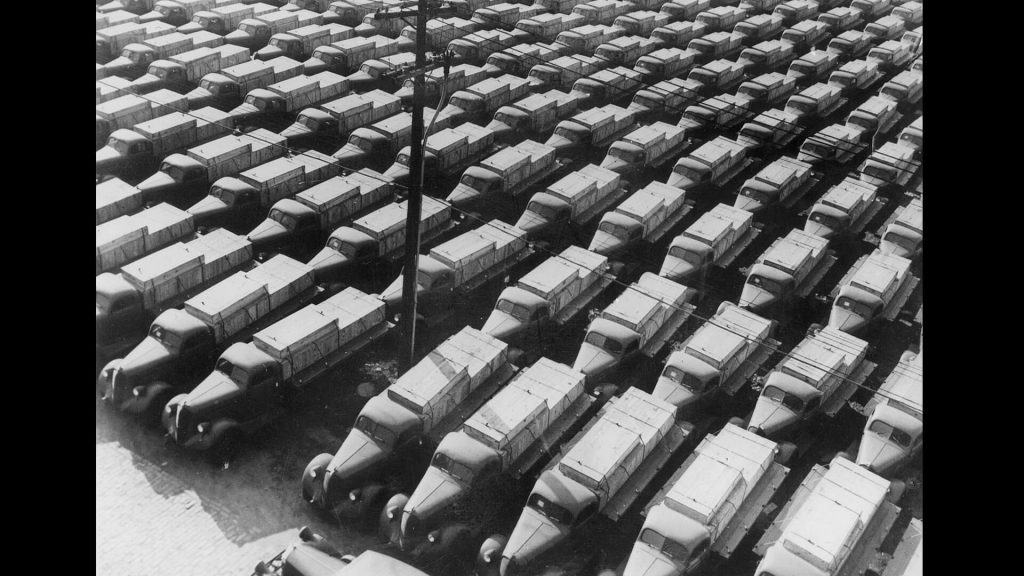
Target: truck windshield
402	159
609	54
566	133
237	374
818	150
308	121
471	105
887	432
850	305
119	145
895	92
286	220
802	67
901	241
706	77
771	286
249	29
845	80
688	381
685	255
369	69
254	100
342	247
756	195
475	183
361	143
128	53
507	119
164	10
830	222
881	55
202	21
779	395
689	173
279	43
225	196
550	509
604	343
158	71
381	434
667	547
801	105
655	68
164	336
794	37
614	229
542	210
207	84
544	75
885	173
424	279
753	92
630	154
517	311
648	102
454	468
862	122
175	172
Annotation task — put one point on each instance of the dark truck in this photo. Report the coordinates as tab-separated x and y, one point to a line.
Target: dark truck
255	33
182	72
225	89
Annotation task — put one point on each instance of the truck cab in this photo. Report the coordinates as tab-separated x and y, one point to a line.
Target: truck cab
259	104
875	116
215	90
126	153
311	123
515	311
841	19
795	11
669	540
684	9
912	13
180	177
231	202
890	438
891	55
850	45
685	380
280	44
854	308
767	56
542	212
133	62
690	174
784	401
856	76
766	90
289	224
204	20
913	137
345	13
606	344
615	233
806	35
162	74
765	285
370	76
864	297
330	58
119	308
812	67
435	284
887	28
167	11
363	144
251	33
346	248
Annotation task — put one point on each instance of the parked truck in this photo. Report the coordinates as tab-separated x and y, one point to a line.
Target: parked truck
603	11
602	471
767	56
128	238
904	235
447	152
226	88
759	28
894	432
352	12
889	167
833	524
770	131
685	9
135	58
594	128
856	77
790	268
807	35
816	101
519	59
664	99
553	292
614	85
850	45
841	19
176	12
508	172
875	288
481	100
716	46
338	118
185	178
906	88
299	43
476	47
815	379
783	182
548	26
913	137
795	11
222	19
284	99
396	430
183	343
346	56
239	202
576	199
679	34
626	50
378	239
440	31
132	6
183	72
714	163
845	209
459	77
534	116
585	39
564	71
710	505
891	55
717	77
640	321
666	63
886	28
127	111
115	197
372	145
646	216
715	239
381	72
254	33
767	90
833	144
646	148
721	18
252	383
504	15
113	39
813	67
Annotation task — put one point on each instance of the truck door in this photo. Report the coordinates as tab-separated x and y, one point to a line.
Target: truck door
124	312
196	351
247	203
264	391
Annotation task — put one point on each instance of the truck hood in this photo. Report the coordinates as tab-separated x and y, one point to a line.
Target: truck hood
328	263
145	83
502	325
747	203
366	30
241	112
147	355
398	173
846	320
359	80
435	493
157	183
618	165
462	194
533	535
560	143
213	393
877	455
117	65
675	394
492	71
645	561
605	244
405	94
313	66
593	361
680	181
106	159
532	223
392	295
207	208
307	560
356	454
268	53
190	28
500	129
238	37
405	44
770	417
676	269
350	156
818	229
267	233
755	298
198	98
296	131
151	16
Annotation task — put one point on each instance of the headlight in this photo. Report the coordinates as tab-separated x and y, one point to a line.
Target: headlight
138	391
432	537
203	427
488	556
169	409
391	512
312	473
354	495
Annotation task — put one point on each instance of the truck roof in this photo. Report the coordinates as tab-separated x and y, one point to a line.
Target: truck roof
273	169
894	151
710	152
194	55
791	251
807	25
847	194
814	358
905	385
816	56
722	66
713	223
857	67
833	134
294	330
570	262
879	270
643	203
876	106
912	215
669	292
852	36
645	136
819	91
776	174
771	79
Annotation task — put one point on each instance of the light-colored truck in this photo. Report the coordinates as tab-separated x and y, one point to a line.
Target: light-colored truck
603	11
461	265
183	343
772	130
481	100
834	523
841	19
505	15
379	238
534	116
722	112
886	28
282	99
767	90
519	59
815	379
678	34
894	432
373	145
115	197
613	85
222	19
640	321
585	39
125	112
111	40
254	33
715	239
128	238
850	45
873	9
555	291
135	58
346	56
594	128
890	166
240	202
508	172
625	50
844	209
716	359
759	28
645	148
665	99
913	136
646	216
440	31
183	72
404	422
549	25
903	234
717	76
574	200
709	505
906	88
666	63
833	144
721	18
875	116
685	9
564	71
790	268
782	182
812	67
459	77
226	88
816	101
795	11
299	43
767	56
448	152
875	288
642	22
716	46
338	118
176	12
714	163
807	35
252	383
601	471
352	12
476	47
857	76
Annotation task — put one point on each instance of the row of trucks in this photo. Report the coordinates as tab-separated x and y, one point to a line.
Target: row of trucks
124	112
713	164
875	288
225	18
715	239
770	130
459	77
375	144
646	216
891	166
448	152
338	118
179	12
113	39
903	234
594	128
346	56
182	72
255	32
782	182
299	43
534	116
790	268
894	432
136	58
478	102
661	101
645	148
127	238
573	201
521	58
282	100
508	172
844	210
226	89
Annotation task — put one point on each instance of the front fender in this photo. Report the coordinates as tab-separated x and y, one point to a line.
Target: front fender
104	382
150	392
218	429
167	415
488	560
360	508
390	522
313	480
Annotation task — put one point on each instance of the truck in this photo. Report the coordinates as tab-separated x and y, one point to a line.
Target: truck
767	56
282	99
640	321
448	152
563	72
710	504
380	72
684	9
548	26
717	45
183	72
714	163
594	128
239	202
133	6
641	22
872	9
396	430
112	40
889	167
575	200
128	238
255	33
790	268
906	88
127	302
646	216
482	99
717	76
716	359
715	239
505	15
519	59
585	39
507	172
460	266
645	148
875	288
496	447
122	112
222	19
770	131
813	67
135	58
850	45
378	239
345	56
891	55
625	50
904	235
912	13
664	99
856	77
553	292
115	197
815	379
607	86
476	47
338	118
440	31
894	432
759	6
185	178
176	12
534	116
845	209
767	90
602	471
352	12
252	383
816	101
299	43
183	343
372	145
666	63
913	136
603	11
204	39
759	28
795	11
678	34
459	77
833	524
135	153
841	19
886	28
226	88
721	18
784	181
807	35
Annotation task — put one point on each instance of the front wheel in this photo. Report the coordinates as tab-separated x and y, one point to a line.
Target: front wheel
313	479
226	447
154	412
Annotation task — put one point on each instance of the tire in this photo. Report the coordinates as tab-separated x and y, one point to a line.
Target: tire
156	408
226	447
313	479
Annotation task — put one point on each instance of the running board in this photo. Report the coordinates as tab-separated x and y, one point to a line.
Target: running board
619	504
